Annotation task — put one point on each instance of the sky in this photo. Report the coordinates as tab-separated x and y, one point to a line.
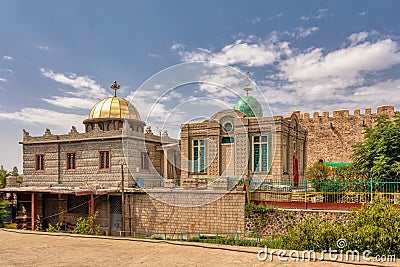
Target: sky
58	58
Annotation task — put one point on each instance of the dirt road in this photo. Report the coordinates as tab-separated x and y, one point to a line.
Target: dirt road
23	248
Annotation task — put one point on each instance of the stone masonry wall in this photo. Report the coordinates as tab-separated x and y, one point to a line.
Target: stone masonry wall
277	222
87	163
331	138
223	215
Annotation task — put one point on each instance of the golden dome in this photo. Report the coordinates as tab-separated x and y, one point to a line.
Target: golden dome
114	108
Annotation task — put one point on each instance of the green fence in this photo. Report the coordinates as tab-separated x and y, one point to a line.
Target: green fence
326	192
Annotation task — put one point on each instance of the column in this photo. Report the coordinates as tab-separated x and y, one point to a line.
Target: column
33	211
91	212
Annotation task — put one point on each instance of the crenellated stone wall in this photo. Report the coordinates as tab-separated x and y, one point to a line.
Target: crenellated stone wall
331	138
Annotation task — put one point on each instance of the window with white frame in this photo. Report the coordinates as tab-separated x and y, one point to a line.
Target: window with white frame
198	155
285	155
260	153
39	162
145	161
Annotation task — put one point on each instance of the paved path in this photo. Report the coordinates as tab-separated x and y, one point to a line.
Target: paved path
23	248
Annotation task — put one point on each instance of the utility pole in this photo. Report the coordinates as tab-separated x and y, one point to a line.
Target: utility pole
123	198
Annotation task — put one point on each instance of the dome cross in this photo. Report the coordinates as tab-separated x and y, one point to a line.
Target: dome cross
247	89
115	86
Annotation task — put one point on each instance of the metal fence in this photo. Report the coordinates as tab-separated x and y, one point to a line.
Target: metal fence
325	192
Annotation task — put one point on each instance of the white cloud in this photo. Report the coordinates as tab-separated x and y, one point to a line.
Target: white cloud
84	84
363	13
379	93
304	32
343	63
43	47
154	55
200	54
176	46
247	54
357	38
8	58
299	32
335	80
321	13
158	86
3	79
309	79
222	83
71	102
39	116
256	20
87	92
154	111
276	16
251	53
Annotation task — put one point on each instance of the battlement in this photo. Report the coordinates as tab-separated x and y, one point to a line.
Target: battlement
96	134
330	136
345	113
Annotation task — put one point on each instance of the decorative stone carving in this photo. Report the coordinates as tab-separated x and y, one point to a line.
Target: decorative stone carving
26	135
47	132
73	131
96	128
148	130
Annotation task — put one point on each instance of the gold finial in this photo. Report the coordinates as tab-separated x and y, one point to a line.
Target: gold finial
115	86
247	89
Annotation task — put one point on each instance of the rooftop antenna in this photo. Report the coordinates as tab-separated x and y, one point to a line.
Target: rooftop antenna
247	89
115	86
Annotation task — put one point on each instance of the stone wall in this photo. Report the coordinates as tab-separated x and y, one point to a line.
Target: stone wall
286	140
276	222
87	163
223	215
330	138
86	147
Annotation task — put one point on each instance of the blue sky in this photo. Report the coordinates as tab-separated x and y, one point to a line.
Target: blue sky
58	58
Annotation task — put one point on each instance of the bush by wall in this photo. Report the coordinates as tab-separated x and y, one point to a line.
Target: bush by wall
376	227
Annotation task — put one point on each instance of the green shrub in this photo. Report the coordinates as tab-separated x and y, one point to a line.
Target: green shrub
87	226
3	213
11	226
54	228
39	225
375	227
314	235
260	209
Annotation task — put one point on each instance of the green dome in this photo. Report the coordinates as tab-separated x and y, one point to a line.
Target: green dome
249	106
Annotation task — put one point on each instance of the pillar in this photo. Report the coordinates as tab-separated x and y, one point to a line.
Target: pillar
33	211
165	163
91	212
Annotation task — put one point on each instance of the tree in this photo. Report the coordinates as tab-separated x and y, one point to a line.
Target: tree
318	173
18	177
378	156
3	177
15	171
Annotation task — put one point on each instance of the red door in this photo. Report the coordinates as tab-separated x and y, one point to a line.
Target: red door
295	171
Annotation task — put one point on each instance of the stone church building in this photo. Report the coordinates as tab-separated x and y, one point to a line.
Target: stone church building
103	169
